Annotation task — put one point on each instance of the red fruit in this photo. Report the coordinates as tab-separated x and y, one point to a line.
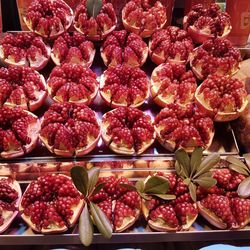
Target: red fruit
10	195
24	49
172	83
127	131
48	18
183	127
122	47
170	45
223	97
72	83
73	48
202	24
18	132
215	56
51	204
144	17
124	86
202	192
22	87
95	28
70	129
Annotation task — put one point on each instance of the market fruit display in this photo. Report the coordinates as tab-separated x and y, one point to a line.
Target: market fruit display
223	97
215	56
124	86
48	18
172	83
51	204
18	132
122	47
72	83
22	87
127	130
121	206
205	23
183	127
24	49
10	195
170	45
73	48
97	24
144	17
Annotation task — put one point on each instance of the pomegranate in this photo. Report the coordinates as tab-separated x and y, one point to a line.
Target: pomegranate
121	206
225	98
170	45
127	130
95	28
143	17
215	56
183	127
18	132
73	48
10	195
205	23
122	47
172	83
69	129
72	83
51	204
24	49
124	86
22	87
48	18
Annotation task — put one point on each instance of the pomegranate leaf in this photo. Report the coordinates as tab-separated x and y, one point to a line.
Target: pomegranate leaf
186	181
207	174
247	158
144	196
156	185
86	229
98	188
80	178
127	186
93	7
239	169
239	164
205	182
178	168
184	160
244	188
166	197
192	191
196	158
93	175
140	186
101	221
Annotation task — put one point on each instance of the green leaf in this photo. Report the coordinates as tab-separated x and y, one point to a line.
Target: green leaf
101	221
207	174
239	169
196	158
178	168
93	7
98	187
247	158
192	191
127	186
205	182
156	185
144	196
186	181
86	229
93	174
80	178
140	186
244	188
166	197
237	162
182	157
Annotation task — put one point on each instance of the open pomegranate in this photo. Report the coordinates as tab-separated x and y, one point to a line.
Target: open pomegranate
174	215
48	18
225	98
97	27
70	129
170	45
202	24
172	83
72	83
51	204
215	56
122	47
18	132
73	48
183	127
124	86
127	130
22	87
121	206
24	49
10	195
143	17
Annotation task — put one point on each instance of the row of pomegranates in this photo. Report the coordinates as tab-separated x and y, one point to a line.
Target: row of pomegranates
169	200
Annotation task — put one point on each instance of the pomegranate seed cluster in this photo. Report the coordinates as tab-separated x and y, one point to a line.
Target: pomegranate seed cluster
169	44
122	47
